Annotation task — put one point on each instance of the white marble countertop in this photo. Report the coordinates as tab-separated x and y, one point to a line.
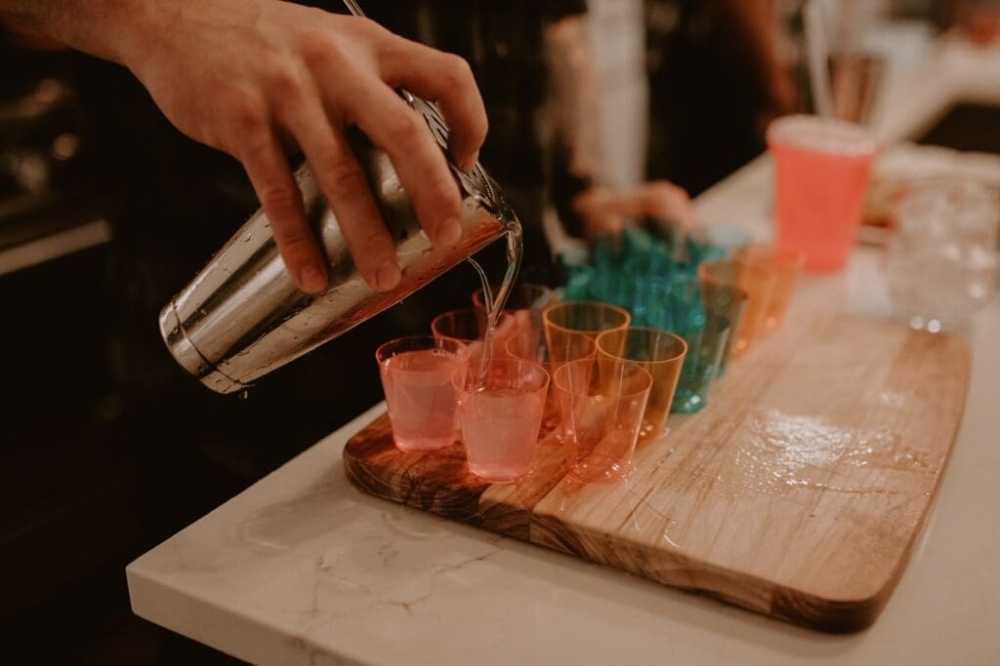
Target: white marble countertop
302	568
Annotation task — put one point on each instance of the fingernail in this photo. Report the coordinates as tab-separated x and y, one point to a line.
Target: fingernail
450	232
387	276
312	279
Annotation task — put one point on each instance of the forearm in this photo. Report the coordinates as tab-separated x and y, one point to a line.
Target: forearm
104	28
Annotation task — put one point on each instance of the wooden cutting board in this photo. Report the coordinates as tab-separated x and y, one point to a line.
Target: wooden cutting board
798	492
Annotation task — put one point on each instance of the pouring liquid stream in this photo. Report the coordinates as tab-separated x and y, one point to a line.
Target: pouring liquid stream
495	302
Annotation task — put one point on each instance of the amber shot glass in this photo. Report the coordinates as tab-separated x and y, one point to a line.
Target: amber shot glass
661	354
786	264
567	323
576	349
602	409
758	283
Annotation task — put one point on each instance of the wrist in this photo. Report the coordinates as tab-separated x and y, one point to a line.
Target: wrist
122	30
109	29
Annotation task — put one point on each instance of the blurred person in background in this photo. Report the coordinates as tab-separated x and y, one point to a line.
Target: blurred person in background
713	76
717	78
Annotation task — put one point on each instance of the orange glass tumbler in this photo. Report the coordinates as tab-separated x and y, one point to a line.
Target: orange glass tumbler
662	355
786	263
758	283
602	413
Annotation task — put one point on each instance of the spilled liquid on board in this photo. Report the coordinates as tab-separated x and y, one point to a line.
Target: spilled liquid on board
788	451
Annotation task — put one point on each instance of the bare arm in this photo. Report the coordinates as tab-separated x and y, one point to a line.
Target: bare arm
239	75
92	26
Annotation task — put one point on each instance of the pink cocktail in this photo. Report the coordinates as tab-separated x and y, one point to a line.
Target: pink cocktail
501	417
419	377
822	170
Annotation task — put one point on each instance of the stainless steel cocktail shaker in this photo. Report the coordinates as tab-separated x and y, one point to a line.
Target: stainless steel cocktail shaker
242	315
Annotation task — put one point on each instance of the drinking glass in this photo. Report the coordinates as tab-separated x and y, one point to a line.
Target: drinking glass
786	264
725	305
757	282
419	377
661	354
669	302
577	348
822	170
500	418
602	412
567	323
467	327
942	261
707	352
525	304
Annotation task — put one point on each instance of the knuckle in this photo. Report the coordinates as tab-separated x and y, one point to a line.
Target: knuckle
296	246
376	240
317	47
281	202
661	189
285	83
404	129
670	191
366	26
456	71
341	174
444	194
245	111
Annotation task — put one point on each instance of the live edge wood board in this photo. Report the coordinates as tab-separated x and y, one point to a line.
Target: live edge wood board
798	492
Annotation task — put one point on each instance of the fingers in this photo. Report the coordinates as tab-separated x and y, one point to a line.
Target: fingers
446	79
660	200
392	125
279	196
604	211
343	183
666	202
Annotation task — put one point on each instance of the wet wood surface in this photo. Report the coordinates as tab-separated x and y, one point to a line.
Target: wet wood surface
798	492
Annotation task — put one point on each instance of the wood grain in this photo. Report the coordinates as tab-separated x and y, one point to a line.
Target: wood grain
798	492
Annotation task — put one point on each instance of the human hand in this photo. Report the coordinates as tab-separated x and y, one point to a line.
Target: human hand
245	76
606	211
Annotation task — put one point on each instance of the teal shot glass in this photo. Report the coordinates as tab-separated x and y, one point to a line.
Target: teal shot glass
710	347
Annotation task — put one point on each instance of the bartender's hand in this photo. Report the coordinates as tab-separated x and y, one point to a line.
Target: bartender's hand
245	76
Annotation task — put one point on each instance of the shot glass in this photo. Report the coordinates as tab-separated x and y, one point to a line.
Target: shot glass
419	377
786	264
525	304
500	418
602	412
579	348
757	282
661	354
726	305
567	323
468	328
822	170
707	351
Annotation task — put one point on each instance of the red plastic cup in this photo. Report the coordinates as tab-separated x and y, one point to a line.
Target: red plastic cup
822	170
